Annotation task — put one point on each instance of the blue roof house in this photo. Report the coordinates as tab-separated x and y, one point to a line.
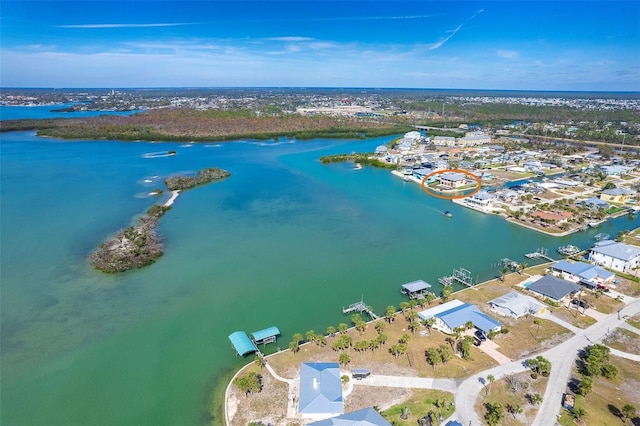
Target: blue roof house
447	321
617	256
364	417
584	273
320	390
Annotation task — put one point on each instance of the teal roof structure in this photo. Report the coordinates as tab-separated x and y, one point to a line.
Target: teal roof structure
265	334
241	343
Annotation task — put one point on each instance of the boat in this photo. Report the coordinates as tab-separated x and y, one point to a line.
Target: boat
448	214
357	166
601	236
568	250
594	224
406	178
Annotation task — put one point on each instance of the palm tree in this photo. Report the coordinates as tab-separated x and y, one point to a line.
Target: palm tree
294	347
490	379
537	322
536	398
579	412
331	331
260	361
380	326
390	313
297	337
628	411
344	358
342	327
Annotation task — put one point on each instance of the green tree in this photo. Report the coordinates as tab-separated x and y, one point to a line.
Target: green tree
445	353
380	326
538	322
536	398
344	358
446	292
579	412
331	331
433	357
429	297
404	338
495	413
490	379
585	386
361	345
259	361
297	337
310	335
514	409
429	322
294	347
628	411
390	313
250	382
342	327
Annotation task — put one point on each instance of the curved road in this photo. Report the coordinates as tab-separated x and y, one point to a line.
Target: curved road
562	358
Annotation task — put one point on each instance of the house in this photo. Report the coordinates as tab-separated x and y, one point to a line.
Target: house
514	304
613	255
458	315
553	288
616	170
619	195
444	141
593	203
550	217
583	273
320	390
452	180
381	150
481	199
364	417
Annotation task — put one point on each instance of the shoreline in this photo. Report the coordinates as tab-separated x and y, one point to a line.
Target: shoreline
170	201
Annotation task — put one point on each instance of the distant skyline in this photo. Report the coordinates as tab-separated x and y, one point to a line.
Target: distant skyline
494	45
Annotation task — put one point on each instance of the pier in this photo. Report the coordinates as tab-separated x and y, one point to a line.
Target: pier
540	253
461	275
360	307
511	264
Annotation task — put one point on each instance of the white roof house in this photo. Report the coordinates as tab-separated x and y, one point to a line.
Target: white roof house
613	255
515	305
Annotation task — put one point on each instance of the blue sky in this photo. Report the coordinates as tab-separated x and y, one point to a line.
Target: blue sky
519	45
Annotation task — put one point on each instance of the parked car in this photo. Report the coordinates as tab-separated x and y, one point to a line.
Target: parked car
481	336
580	303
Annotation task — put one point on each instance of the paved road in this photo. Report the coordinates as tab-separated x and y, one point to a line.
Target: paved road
562	358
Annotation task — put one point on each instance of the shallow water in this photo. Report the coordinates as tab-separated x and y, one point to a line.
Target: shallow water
284	241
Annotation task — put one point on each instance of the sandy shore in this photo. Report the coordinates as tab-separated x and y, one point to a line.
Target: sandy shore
174	195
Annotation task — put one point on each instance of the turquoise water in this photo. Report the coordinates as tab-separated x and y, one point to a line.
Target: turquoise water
284	241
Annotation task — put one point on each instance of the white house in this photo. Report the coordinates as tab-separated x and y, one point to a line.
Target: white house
617	256
452	180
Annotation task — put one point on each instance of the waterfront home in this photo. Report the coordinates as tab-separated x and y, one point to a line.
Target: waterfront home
320	390
614	255
455	314
452	180
553	288
422	173
552	217
365	417
515	305
480	199
618	195
381	150
583	273
615	170
593	203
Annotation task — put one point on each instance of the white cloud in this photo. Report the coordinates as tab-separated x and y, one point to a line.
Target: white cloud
100	26
507	54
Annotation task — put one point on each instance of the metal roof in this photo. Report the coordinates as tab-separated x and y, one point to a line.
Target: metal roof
460	315
517	304
320	388
616	250
241	343
417	285
554	288
364	417
266	333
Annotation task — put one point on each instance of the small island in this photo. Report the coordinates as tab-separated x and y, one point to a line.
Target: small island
138	246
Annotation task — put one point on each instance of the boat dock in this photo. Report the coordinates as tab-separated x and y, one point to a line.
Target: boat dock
540	253
360	307
461	275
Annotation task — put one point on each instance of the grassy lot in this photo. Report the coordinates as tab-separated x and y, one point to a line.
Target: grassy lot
502	391
634	321
604	403
419	404
624	340
628	287
573	317
604	304
268	406
632	237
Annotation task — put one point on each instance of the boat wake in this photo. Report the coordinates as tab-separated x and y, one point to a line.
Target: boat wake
159	154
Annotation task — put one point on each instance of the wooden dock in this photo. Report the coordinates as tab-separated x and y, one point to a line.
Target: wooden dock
360	307
540	253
